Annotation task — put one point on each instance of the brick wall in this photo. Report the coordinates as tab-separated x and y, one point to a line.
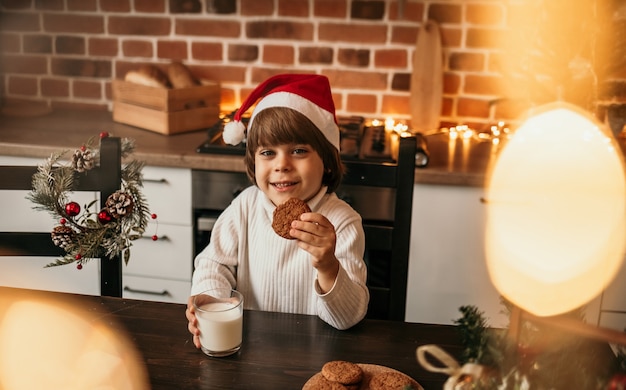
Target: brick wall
65	52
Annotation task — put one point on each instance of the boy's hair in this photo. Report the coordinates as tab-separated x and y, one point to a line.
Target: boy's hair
280	125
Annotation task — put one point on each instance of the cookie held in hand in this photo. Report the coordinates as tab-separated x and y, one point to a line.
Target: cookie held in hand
286	213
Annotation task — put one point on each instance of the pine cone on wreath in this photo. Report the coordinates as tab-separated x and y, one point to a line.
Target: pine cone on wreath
119	204
62	236
82	160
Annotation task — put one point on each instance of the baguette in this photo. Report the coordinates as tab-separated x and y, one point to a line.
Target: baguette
148	75
180	76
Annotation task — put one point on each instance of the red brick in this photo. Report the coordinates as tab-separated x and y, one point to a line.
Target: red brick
412	11
53	5
139	25
69	45
391	58
279	30
137	48
16	4
71	23
404	34
222	73
447	107
368	10
23	85
299	8
103	47
358	33
75	67
483	84
25	64
395	105
209	28
185	6
55	87
338	100
330	8
82	5
451	83
356	80
354	57
474	62
209	51
36	43
445	13
485	38
87	89
451	37
363	103
115	5
278	54
315	55
9	42
484	14
13	21
245	53
175	50
472	107
257	7
154	6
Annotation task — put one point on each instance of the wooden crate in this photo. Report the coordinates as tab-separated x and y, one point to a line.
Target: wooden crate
166	111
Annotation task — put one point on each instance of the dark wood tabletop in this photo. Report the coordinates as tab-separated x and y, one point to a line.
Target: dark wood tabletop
279	351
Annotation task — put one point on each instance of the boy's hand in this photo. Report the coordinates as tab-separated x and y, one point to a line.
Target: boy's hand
190	313
316	235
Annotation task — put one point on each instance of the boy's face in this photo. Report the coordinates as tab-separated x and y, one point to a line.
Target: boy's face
288	171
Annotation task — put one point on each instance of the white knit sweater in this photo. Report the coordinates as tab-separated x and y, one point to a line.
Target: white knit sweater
273	273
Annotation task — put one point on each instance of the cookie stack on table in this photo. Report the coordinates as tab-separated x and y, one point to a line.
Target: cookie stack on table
339	375
167	99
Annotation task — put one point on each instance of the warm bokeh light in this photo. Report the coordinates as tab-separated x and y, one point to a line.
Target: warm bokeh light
47	345
556	211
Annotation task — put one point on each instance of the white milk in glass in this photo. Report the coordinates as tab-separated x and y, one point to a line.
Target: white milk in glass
220	326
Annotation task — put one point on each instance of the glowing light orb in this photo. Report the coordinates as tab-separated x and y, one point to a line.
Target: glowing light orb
555	233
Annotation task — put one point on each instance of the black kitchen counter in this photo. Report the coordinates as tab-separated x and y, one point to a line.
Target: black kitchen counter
39	136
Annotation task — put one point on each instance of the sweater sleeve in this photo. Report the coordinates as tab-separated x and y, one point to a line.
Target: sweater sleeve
346	303
216	265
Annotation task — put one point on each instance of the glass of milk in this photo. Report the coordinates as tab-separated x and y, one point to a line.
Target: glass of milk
220	320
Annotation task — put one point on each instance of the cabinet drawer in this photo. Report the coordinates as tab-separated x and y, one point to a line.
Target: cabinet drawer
168	192
154	289
170	257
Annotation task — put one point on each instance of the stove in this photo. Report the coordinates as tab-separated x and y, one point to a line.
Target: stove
353	133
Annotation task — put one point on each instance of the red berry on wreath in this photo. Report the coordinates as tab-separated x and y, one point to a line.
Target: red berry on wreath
104	217
79	266
153	216
72	209
104	134
63	221
155	237
78	256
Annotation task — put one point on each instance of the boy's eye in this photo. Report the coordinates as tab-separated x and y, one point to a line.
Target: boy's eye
299	151
266	152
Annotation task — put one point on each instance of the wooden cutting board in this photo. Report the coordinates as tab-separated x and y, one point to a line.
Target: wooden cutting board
427	79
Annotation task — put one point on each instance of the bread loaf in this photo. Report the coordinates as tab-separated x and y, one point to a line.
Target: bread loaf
180	76
148	75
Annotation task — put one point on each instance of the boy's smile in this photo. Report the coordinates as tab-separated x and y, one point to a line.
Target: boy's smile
288	171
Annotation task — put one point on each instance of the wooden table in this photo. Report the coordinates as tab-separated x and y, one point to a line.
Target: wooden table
280	351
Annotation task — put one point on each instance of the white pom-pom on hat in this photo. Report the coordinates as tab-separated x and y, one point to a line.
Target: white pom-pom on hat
234	132
308	94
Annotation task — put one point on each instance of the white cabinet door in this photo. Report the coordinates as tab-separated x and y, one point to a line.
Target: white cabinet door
447	267
161	270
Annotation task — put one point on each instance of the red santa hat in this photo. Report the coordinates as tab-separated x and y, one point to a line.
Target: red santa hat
308	94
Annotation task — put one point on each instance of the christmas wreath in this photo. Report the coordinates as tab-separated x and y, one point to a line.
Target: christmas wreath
90	232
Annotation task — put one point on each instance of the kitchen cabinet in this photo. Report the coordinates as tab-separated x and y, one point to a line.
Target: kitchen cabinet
161	270
447	266
158	270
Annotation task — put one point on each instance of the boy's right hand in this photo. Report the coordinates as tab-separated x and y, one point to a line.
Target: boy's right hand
193	322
